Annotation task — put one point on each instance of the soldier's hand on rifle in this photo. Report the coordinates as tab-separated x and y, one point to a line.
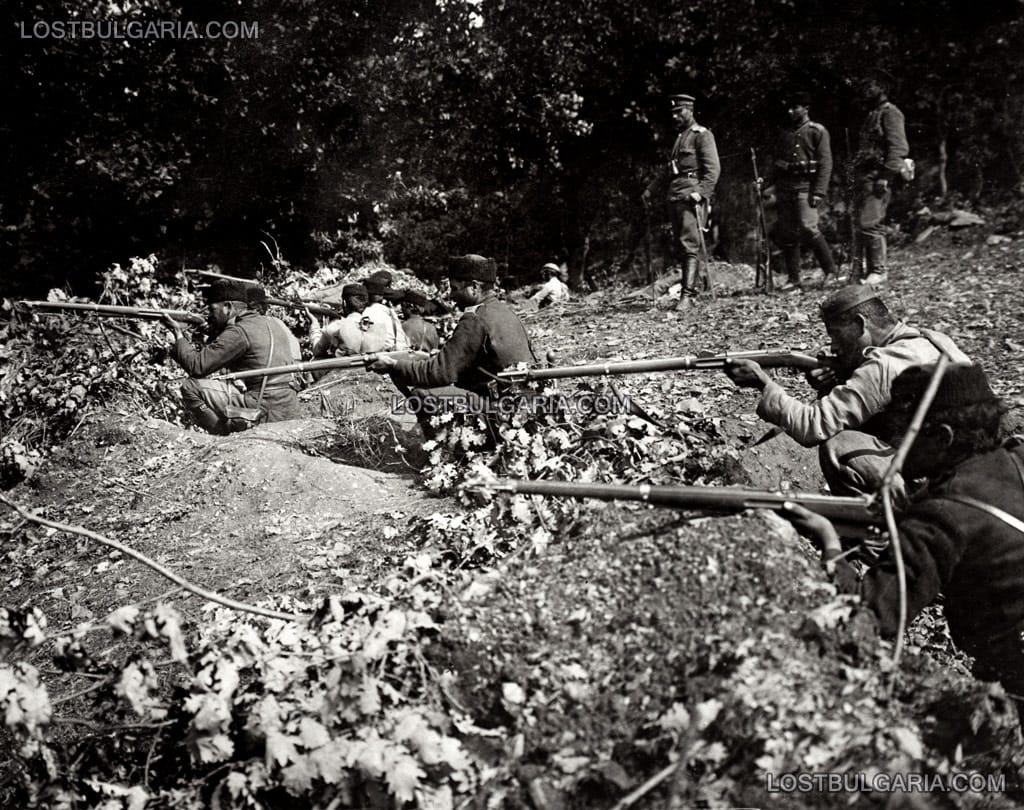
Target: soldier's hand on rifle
695	197
173	325
381	363
881	187
822	379
812	200
645	198
747	374
819	530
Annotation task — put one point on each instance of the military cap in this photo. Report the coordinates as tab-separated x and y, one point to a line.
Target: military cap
551	267
375	285
846	298
679	99
383	276
224	290
472	267
962	384
353	289
256	295
798	99
415	297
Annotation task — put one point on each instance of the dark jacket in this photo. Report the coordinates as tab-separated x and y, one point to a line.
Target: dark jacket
488	338
882	143
804	161
242	346
421	334
974	559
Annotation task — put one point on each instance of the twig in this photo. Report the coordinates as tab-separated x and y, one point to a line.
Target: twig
142	558
893	471
81	721
80	693
630	799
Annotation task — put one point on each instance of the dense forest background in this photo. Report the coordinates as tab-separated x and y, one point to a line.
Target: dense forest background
410	130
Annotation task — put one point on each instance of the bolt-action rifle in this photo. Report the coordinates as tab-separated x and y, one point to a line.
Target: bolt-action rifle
112	311
767	358
353	361
763	258
316	307
852	516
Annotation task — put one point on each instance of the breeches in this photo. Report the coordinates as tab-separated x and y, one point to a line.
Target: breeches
279	403
854	463
797	221
685	238
871	209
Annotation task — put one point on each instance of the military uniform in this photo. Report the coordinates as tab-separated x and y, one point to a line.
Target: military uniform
882	146
803	169
252	341
693	166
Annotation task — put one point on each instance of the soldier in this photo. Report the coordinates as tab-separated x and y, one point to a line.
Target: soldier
488	338
242	340
421	334
379	319
554	290
343	335
848	423
691	174
803	167
963	536
881	150
257	298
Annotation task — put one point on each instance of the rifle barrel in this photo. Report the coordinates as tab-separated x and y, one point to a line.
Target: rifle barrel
845	510
148	313
353	361
767	358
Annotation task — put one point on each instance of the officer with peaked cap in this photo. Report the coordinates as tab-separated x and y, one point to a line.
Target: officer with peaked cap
690	176
243	340
801	173
848	421
488	338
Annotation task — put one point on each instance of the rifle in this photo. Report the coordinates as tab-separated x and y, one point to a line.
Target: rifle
353	361
110	310
316	307
852	516
763	273
767	358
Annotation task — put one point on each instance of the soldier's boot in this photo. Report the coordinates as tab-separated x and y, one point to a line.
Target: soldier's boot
874	253
791	261
208	420
689	291
823	253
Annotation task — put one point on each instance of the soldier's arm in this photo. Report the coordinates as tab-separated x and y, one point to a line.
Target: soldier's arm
708	165
896	146
215	355
824	158
456	356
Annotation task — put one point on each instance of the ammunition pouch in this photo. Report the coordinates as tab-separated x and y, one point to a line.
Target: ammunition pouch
798	167
907	169
238	418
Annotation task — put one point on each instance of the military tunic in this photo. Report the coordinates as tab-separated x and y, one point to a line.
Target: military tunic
881	148
803	170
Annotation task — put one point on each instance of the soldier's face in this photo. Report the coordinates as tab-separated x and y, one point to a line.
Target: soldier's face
848	339
682	114
465	293
797	112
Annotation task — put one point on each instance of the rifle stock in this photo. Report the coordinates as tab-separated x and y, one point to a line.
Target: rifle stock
353	361
110	310
853	515
767	358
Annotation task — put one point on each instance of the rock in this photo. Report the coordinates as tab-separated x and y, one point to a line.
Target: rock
965	219
997	239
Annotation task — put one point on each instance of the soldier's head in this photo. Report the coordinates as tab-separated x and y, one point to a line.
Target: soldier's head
378	286
964	418
551	270
256	297
353	298
875	88
798	106
472	279
225	301
682	110
855	319
413	303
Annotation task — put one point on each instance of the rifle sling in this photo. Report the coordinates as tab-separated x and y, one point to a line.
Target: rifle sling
994	511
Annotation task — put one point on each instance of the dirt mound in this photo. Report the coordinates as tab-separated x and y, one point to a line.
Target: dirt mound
256	513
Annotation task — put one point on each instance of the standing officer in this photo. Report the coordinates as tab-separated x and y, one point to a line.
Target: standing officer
691	174
803	167
881	149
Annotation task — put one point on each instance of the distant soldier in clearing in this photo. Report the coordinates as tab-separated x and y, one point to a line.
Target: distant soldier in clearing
848	422
963	537
420	333
690	175
554	290
488	338
242	340
802	169
881	152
